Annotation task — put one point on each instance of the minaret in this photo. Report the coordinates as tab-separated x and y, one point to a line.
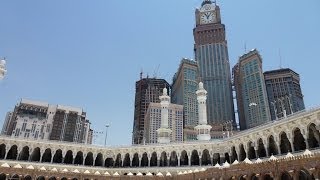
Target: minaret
203	129
2	69
164	131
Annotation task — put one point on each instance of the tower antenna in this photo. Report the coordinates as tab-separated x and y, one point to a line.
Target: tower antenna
280	59
141	73
245	47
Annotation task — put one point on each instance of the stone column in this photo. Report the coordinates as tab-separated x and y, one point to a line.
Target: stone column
103	161
256	150
84	159
7	151
140	158
30	154
306	141
158	160
94	158
131	159
149	159
41	154
178	160
122	161
291	143
18	153
200	161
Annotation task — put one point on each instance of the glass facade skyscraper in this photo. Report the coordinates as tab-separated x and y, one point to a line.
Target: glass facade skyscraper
284	92
184	87
211	54
253	107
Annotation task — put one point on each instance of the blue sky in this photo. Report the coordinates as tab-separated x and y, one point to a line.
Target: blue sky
89	53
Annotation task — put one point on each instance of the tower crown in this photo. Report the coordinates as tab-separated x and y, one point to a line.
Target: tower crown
206	2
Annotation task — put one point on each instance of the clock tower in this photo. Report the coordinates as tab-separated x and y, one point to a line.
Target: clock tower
211	54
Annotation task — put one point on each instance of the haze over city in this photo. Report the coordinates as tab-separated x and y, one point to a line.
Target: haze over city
89	55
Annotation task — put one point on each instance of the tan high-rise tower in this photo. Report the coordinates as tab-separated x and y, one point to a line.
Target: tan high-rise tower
211	53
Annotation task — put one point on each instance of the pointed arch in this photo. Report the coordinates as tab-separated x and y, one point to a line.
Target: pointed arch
195	158
27	177
305	175
272	147
79	158
251	151
184	159
216	158
298	140
40	178
173	159
163	159
313	136
234	154
144	160
89	159
285	145
126	161
135	160
254	177
15	176
261	149
205	158
46	157
109	162
154	159
99	160
267	177
52	178
24	154
68	158
243	154
2	151
3	176
57	158
35	155
13	152
227	157
118	161
285	176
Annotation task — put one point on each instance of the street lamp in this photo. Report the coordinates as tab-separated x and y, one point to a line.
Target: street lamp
3	70
105	139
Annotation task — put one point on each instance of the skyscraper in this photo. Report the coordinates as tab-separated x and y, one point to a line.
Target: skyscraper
147	90
184	87
284	92
211	53
253	108
42	121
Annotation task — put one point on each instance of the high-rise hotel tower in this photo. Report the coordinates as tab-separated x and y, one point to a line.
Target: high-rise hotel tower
211	53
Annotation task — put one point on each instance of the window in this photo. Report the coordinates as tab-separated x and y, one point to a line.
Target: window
24	126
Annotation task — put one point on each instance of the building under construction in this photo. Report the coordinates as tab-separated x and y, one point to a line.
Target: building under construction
147	90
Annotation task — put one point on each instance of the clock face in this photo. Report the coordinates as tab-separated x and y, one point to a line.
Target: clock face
207	17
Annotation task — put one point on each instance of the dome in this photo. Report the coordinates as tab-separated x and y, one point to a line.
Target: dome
206	2
3	62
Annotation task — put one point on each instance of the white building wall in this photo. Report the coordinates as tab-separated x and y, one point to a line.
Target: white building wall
29	127
153	122
6	123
